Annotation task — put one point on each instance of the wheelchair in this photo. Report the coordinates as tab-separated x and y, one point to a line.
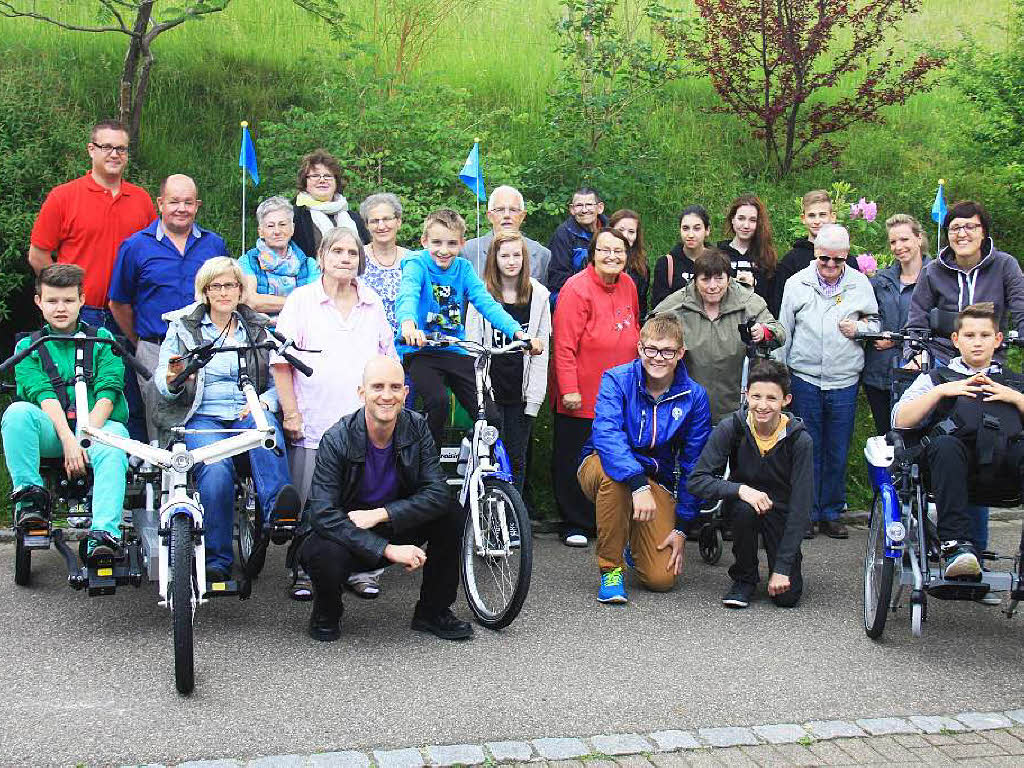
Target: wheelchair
903	546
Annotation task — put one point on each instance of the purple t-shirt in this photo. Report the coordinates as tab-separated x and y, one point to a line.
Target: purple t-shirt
380	477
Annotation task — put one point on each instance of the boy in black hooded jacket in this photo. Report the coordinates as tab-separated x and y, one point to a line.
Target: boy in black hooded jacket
770	489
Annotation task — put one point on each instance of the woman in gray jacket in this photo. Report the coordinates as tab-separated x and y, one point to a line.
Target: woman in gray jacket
824	305
519	382
894	287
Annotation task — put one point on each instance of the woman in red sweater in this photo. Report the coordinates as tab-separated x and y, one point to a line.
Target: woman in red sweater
596	327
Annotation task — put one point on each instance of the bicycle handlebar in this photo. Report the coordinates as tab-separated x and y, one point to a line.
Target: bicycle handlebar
202	355
440	340
118	348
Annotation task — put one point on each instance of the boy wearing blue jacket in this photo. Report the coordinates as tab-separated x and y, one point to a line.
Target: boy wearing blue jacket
436	287
650	424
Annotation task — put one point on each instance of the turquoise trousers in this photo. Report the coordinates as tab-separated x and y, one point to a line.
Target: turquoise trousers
30	435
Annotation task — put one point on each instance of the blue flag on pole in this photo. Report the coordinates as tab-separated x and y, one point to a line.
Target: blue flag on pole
939	206
471	174
247	155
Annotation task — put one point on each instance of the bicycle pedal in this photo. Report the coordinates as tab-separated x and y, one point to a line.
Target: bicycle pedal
221	588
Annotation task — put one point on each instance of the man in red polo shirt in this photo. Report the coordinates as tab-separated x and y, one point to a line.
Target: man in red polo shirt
84	221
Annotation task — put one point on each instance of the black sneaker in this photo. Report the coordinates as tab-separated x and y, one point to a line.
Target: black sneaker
738	595
445	625
215	575
961	560
809	533
326	631
33	506
101	546
285	516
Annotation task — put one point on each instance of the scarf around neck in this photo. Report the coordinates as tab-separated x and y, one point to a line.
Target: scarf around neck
281	271
327	215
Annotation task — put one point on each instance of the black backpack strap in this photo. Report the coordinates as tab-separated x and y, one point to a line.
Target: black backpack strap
88	349
58	382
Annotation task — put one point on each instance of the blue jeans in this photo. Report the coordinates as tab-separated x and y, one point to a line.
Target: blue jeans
216	483
101	318
829	416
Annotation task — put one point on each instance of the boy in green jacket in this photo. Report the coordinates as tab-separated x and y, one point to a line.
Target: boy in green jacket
38	426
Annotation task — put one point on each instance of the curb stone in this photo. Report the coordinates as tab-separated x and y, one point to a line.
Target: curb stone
821	737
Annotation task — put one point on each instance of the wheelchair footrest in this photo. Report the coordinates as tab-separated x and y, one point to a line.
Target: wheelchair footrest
106	576
946	589
222	588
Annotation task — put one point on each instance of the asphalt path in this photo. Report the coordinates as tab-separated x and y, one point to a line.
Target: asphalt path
90	680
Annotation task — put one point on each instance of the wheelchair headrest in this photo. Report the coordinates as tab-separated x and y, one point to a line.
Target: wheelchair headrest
942	322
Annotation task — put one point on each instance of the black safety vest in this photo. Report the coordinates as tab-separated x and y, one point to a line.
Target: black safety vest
59	383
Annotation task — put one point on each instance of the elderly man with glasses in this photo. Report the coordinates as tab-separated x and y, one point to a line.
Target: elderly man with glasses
506	211
650	424
823	306
84	221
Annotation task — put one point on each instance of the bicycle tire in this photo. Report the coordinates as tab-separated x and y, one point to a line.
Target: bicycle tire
22	561
496	587
247	532
181	588
710	544
878	574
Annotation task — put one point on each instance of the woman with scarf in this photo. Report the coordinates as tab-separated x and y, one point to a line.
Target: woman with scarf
319	204
276	266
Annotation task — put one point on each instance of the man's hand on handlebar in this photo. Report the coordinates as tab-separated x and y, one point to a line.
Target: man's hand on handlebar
883	344
412	335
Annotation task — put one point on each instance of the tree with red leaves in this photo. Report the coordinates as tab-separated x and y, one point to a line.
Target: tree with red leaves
774	64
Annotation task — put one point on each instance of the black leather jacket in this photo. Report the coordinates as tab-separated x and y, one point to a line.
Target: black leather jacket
340	461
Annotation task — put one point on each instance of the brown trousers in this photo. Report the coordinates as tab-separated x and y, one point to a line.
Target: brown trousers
615	526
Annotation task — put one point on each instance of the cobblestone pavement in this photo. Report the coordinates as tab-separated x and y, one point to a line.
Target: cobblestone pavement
970	738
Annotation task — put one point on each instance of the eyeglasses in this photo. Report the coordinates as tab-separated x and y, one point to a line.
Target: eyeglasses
664	354
832	259
584	206
507	211
319	176
611	251
967	228
382	220
222	287
112	149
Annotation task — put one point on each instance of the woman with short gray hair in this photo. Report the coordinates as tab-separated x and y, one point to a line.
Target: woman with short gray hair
382	213
277	265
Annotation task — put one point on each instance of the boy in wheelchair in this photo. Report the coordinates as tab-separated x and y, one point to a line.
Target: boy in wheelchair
970	424
41	422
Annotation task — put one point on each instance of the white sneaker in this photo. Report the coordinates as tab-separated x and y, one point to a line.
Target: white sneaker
992	598
576	540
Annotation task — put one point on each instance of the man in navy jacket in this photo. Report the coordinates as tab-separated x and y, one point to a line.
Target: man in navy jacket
650	424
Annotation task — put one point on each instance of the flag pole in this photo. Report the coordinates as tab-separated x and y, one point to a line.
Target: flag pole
244	125
478	175
938	233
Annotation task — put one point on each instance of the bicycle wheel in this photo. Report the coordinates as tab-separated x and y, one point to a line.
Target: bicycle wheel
878	573
22	561
182	605
710	544
496	584
247	533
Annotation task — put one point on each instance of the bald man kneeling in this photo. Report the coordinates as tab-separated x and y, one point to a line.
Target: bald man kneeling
378	494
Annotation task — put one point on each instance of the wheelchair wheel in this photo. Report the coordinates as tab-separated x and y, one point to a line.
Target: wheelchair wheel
878	574
918	615
247	533
22	561
496	585
182	592
710	544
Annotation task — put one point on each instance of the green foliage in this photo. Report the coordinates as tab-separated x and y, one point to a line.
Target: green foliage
32	160
411	143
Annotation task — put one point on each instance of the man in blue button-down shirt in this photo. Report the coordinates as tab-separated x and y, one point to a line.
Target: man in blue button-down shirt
156	268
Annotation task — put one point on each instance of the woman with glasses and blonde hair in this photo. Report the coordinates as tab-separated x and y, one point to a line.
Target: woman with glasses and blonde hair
710	310
519	382
211	400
